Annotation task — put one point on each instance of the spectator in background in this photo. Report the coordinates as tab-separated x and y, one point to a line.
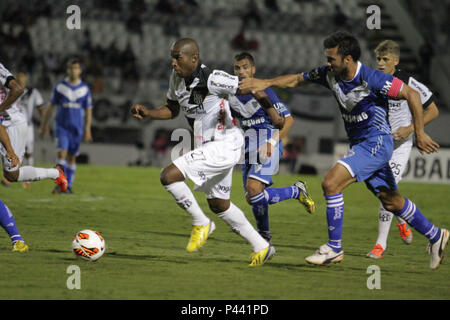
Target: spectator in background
251	13
426	53
340	19
272	5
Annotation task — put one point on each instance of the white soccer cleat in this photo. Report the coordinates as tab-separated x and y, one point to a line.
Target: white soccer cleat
436	250
325	255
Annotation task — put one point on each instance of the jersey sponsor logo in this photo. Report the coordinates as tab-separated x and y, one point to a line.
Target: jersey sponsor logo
349	118
252	122
71	105
223	74
225	189
222	85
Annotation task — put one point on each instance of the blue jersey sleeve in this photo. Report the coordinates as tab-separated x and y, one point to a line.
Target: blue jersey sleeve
317	75
277	103
383	84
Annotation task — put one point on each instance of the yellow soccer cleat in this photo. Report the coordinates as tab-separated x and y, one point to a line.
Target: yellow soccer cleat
304	197
199	235
20	246
262	256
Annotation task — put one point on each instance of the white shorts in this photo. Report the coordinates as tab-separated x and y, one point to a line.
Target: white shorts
29	147
399	160
210	166
18	137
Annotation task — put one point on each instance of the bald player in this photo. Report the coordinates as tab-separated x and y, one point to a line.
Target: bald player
201	95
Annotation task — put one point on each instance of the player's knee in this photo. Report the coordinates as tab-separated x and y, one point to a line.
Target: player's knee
171	174
11	176
391	201
219	205
329	186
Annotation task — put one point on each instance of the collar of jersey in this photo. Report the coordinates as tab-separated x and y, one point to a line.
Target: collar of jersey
195	74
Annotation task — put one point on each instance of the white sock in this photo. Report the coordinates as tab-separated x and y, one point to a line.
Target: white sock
400	220
186	200
28	173
384	224
236	219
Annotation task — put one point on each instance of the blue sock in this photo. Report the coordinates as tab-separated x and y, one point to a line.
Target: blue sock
260	208
335	216
275	195
8	223
70	173
415	218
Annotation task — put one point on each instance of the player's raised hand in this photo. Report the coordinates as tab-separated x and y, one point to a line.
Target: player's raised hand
425	144
252	85
139	111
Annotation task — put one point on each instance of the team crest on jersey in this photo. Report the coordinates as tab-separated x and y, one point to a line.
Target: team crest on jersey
349	153
198	95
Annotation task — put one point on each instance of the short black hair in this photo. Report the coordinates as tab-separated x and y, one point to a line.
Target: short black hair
73	61
244	55
346	42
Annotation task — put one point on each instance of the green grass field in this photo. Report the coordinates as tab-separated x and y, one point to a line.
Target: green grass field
146	234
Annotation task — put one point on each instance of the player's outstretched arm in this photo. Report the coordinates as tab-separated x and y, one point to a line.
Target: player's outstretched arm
250	85
165	112
15	91
424	142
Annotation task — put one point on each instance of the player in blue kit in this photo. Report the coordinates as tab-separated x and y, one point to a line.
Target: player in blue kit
362	94
73	99
263	148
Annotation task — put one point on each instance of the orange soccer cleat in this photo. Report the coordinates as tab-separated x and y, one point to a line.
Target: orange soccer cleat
61	181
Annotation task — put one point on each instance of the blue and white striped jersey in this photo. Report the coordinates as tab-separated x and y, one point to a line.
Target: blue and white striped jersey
254	120
71	100
363	100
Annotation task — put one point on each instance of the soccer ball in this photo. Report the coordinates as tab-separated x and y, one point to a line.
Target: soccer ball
89	245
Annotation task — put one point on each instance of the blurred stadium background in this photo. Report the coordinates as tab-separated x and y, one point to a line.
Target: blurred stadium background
124	45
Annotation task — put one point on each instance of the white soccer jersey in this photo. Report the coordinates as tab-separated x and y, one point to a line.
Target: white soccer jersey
13	115
202	98
399	113
30	99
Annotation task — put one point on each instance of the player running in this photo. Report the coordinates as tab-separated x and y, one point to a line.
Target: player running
30	100
16	126
7	221
263	148
201	94
362	95
388	56
73	99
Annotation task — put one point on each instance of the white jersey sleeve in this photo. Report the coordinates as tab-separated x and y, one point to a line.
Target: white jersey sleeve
37	97
221	83
424	92
4	74
171	91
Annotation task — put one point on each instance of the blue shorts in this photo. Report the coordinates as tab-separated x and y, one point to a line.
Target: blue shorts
69	140
368	161
261	171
